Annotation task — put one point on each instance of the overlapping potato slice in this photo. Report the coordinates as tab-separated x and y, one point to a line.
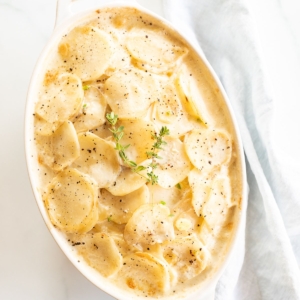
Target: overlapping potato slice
144	273
109	227
102	131
93	109
168	107
120	60
217	210
127	182
60	99
215	231
44	147
187	255
102	253
44	128
61	148
154	49
208	148
98	158
190	95
123	246
137	134
169	110
120	208
170	196
174	164
65	146
201	185
86	51
130	92
71	201
178	128
216	207
149	225
186	221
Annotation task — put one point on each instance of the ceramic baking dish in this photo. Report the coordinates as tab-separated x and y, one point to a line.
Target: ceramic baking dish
73	12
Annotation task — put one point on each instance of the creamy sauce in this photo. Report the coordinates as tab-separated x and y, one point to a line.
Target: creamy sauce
151	240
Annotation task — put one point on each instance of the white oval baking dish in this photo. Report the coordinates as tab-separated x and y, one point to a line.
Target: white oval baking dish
66	19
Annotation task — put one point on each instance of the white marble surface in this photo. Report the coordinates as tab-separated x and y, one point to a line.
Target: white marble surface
31	264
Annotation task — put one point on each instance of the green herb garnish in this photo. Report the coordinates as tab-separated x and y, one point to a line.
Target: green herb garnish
118	133
159	142
178	186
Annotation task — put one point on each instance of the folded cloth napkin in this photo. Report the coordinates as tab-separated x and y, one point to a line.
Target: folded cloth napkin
265	264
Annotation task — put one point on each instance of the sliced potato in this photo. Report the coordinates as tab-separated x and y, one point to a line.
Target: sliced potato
102	131
168	107
44	128
190	96
177	129
126	183
120	60
144	273
201	189
124	248
102	253
174	164
208	149
86	51
149	225
154	50
216	208
130	92
170	196
61	99
71	201
45	153
121	208
214	231
61	148
183	205
98	158
186	221
93	109
137	134
109	227
187	255
65	146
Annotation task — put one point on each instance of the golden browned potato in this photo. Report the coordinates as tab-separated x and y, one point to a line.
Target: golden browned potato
71	201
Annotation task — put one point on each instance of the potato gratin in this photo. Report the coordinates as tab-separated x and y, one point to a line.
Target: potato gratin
137	157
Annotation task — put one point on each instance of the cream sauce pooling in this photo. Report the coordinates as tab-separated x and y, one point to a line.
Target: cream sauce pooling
187	236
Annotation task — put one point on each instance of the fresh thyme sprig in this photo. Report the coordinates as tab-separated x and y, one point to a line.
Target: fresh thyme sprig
159	142
118	133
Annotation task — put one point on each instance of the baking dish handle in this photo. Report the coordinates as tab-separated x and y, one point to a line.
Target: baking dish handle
64	7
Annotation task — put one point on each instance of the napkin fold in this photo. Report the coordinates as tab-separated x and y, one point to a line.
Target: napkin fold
265	263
